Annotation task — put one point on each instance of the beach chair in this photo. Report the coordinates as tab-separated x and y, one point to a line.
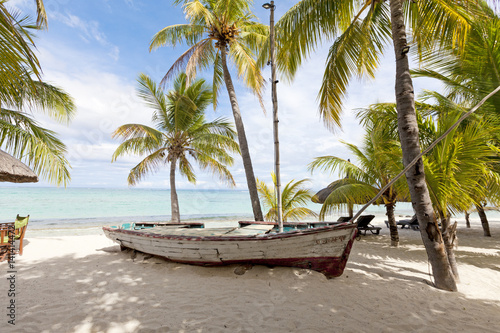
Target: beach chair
410	223
344	219
21	224
5	244
364	225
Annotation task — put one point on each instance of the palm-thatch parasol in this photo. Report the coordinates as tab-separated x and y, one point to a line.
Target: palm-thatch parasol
14	171
321	196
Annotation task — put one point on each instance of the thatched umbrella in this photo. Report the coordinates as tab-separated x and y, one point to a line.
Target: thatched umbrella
321	195
14	171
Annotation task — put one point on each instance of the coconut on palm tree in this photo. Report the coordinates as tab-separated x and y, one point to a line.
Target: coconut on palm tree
181	135
23	92
294	197
220	31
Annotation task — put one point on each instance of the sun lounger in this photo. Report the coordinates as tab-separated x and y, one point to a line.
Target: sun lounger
364	225
410	223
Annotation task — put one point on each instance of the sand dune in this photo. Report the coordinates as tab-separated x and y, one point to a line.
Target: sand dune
86	284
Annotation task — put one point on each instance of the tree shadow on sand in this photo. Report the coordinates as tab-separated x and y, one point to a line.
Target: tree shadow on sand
111	291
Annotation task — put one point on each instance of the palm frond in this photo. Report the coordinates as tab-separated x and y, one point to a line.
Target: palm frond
41	19
356	52
176	34
47	98
38	147
303	27
248	69
152	163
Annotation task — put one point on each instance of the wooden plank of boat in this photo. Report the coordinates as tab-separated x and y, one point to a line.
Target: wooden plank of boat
323	249
171	224
195	232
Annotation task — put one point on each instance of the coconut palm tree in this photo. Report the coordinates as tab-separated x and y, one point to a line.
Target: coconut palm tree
181	135
219	31
294	195
469	75
366	28
460	169
379	160
22	92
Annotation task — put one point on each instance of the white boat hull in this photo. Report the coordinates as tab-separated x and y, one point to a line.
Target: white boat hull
323	249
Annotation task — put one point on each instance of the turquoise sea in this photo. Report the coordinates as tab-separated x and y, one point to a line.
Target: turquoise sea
85	210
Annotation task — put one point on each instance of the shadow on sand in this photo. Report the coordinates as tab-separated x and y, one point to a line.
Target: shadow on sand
115	291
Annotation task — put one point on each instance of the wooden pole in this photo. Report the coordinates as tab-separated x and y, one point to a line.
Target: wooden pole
275	121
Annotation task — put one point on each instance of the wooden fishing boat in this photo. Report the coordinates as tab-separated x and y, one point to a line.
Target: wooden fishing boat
324	249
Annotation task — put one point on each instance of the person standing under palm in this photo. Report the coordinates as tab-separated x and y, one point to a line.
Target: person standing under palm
218	30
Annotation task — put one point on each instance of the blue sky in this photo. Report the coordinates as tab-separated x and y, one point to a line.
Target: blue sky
95	49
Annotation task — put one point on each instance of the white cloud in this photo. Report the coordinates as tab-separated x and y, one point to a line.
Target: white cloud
89	31
106	99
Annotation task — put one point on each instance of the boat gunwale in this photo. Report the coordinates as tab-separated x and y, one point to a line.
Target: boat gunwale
288	234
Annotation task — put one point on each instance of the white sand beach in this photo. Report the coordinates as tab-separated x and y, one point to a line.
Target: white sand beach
86	284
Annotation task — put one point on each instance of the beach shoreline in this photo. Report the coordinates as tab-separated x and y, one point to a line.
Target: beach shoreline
86	284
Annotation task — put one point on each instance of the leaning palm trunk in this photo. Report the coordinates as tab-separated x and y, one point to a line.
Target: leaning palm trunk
393	227
242	139
484	220
408	132
174	201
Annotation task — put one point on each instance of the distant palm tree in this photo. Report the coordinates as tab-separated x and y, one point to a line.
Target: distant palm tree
293	196
181	134
21	90
218	31
380	160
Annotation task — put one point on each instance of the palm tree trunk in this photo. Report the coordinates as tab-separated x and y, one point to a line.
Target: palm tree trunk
408	133
449	236
484	220
393	227
467	220
174	201
350	209
242	139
